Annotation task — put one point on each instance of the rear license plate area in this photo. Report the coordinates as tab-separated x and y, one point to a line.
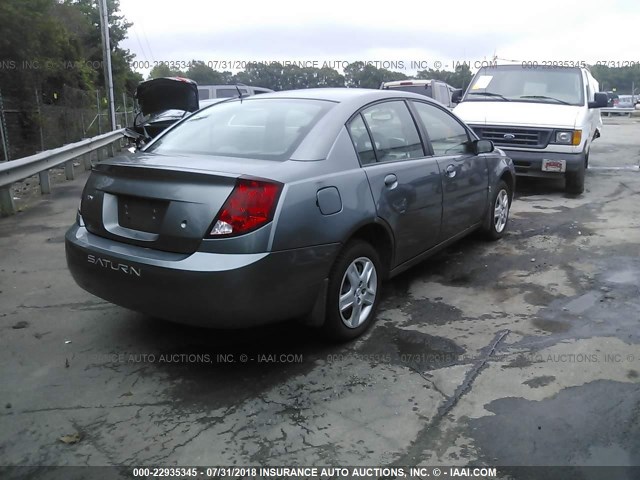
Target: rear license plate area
554	165
143	214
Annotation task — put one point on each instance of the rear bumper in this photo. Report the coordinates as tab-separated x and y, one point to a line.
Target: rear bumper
529	164
204	289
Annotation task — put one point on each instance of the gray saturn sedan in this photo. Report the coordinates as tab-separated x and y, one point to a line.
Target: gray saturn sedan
296	204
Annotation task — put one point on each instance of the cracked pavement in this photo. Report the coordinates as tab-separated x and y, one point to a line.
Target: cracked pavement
519	352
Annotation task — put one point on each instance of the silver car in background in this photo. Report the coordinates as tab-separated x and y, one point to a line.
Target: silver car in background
294	204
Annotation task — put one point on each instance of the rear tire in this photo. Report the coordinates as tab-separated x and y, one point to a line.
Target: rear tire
498	215
353	292
574	181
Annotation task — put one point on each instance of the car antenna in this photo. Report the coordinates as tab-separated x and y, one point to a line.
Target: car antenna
239	93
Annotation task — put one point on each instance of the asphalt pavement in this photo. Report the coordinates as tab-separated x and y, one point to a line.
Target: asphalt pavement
519	352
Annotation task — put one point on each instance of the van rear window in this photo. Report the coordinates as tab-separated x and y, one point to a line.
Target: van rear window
229	92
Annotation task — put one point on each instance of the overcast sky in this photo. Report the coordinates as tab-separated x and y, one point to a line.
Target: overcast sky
427	31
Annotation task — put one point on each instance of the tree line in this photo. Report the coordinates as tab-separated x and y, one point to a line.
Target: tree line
620	79
51	44
277	76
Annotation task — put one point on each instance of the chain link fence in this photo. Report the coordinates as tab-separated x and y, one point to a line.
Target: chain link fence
66	116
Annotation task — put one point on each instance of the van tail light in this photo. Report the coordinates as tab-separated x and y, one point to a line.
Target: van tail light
250	205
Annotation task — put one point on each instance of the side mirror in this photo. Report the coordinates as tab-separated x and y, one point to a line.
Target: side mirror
600	100
456	95
482	146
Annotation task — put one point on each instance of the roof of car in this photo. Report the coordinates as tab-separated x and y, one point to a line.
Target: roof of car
341	95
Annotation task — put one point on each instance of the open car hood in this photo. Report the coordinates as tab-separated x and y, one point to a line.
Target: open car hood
168	93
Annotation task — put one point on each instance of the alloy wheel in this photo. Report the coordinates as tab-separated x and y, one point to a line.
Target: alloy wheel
358	292
501	211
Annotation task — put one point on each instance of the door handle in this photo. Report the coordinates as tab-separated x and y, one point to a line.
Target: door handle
391	181
450	171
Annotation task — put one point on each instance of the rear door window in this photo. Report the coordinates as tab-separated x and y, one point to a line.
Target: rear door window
394	132
361	141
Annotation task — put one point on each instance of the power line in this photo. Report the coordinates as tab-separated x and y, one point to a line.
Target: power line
144	54
144	34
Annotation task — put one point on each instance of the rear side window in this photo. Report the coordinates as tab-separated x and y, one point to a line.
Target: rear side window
446	134
252	128
361	141
394	132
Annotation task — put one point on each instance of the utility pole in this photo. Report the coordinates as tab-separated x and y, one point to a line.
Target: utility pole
3	129
106	55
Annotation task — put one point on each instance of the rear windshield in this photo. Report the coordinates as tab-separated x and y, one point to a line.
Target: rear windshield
520	84
256	128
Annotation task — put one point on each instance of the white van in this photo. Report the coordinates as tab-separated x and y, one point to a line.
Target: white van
205	92
543	118
435	89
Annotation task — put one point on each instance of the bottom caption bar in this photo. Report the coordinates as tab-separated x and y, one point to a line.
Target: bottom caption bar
324	473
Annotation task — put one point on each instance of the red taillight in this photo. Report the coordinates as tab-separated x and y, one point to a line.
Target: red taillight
250	206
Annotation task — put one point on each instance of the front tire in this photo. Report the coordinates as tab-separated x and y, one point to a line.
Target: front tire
574	181
498	214
353	292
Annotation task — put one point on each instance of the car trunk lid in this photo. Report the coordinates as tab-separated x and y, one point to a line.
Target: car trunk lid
165	205
169	93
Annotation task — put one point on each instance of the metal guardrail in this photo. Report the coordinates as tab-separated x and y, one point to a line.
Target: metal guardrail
621	111
39	164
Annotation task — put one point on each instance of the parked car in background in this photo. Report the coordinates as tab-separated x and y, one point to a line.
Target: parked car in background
206	92
625	101
612	99
293	204
543	118
165	101
435	89
161	103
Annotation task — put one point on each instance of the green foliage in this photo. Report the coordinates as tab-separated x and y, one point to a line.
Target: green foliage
287	77
619	78
50	45
37	50
203	74
263	75
54	44
362	75
163	70
124	79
